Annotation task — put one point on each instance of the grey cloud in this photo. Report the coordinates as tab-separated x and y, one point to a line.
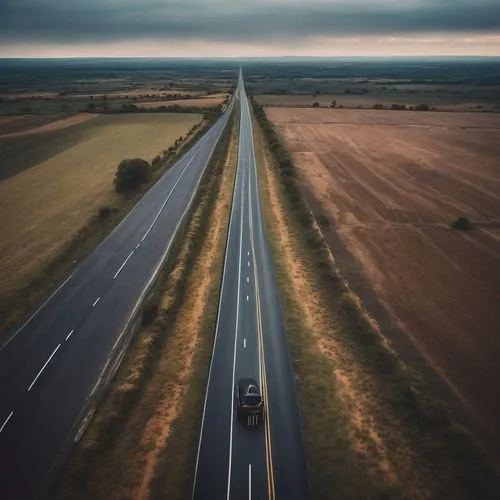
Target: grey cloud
83	21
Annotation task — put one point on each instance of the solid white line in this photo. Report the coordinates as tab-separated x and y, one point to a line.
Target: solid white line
96	301
37	311
249	481
216	328
43	367
6	420
235	340
245	343
69	335
123	265
169	195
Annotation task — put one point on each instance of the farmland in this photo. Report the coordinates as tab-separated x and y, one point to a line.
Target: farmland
53	182
389	184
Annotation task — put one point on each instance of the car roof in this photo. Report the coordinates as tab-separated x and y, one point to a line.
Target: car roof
247	383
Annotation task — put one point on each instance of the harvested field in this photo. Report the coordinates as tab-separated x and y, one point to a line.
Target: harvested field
43	206
13	126
390	184
201	102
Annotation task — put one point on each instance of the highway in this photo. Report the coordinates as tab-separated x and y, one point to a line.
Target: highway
50	366
235	461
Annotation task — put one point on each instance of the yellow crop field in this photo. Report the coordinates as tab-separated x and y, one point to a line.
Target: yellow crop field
42	204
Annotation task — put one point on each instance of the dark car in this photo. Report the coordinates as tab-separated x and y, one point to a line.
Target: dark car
249	400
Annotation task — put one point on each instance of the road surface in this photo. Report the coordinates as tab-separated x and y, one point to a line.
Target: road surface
235	461
51	364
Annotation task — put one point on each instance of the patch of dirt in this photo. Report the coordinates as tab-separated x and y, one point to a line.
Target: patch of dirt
390	184
37	124
388	464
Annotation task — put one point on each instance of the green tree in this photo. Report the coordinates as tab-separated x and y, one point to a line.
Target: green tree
131	174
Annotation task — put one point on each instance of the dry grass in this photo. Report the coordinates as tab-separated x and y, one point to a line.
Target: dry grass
163	356
44	206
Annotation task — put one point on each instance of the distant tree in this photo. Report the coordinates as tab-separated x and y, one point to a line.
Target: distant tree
316	105
461	223
333	104
422	107
131	174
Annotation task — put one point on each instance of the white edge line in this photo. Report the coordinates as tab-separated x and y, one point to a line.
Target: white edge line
171	191
245	343
123	265
37	311
6	421
249	481
43	367
96	301
216	330
69	335
235	341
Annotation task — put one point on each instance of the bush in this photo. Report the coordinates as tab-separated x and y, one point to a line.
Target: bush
104	212
323	220
422	107
462	223
316	105
131	174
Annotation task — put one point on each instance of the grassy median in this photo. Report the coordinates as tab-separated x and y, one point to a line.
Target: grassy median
142	441
371	429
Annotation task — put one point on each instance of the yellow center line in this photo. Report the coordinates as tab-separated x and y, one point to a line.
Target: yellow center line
267	429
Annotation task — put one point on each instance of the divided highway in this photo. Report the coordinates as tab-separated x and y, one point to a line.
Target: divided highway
50	366
235	461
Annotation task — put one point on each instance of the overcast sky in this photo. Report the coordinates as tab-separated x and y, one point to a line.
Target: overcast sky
34	28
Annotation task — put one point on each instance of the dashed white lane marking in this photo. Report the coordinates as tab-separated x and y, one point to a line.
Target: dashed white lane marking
69	335
6	420
248	253
248	263
137	246
96	301
248	279
247	298
249	481
123	265
43	367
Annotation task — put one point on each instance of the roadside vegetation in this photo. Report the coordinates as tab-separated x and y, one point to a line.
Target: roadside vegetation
55	237
371	428
143	438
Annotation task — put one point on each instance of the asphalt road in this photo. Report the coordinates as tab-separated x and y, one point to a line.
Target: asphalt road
51	365
235	461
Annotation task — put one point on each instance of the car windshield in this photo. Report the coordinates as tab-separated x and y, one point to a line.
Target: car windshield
252	400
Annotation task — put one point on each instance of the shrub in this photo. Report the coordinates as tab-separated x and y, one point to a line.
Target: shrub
104	212
316	105
461	223
131	174
323	220
422	107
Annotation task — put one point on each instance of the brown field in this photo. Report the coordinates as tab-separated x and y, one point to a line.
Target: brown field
440	102
43	206
201	102
13	126
390	183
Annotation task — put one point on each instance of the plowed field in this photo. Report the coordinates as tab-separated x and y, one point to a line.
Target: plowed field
390	183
